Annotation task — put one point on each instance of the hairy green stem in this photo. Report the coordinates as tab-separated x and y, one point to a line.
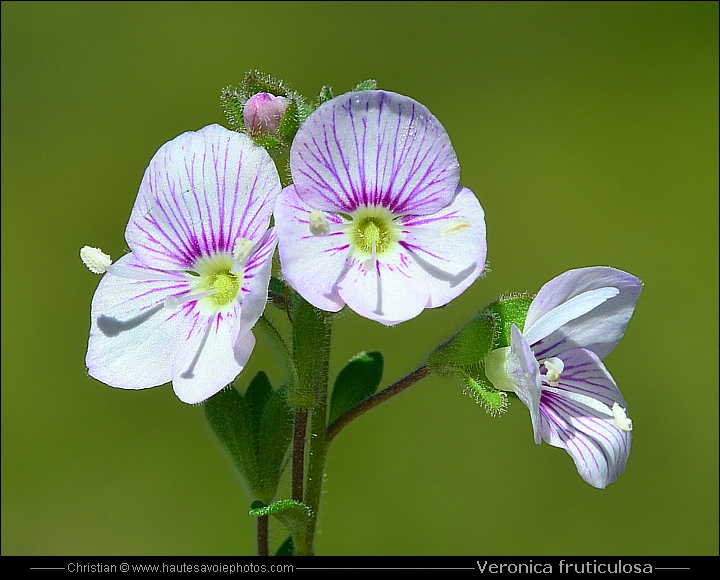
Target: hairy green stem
298	456
318	447
419	373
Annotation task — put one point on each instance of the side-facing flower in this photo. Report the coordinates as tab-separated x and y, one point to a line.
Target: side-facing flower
182	304
376	218
555	367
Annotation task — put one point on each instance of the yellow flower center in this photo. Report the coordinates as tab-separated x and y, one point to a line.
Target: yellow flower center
373	230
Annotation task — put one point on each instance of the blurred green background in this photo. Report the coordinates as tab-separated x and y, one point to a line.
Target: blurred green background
587	130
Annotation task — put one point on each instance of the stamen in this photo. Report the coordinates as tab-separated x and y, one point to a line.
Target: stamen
242	250
319	224
174	302
621	419
95	259
554	367
369	264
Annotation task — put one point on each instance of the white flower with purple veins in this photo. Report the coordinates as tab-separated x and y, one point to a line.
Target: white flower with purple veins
555	367
375	217
182	304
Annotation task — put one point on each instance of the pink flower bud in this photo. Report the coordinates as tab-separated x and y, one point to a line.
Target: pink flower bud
263	113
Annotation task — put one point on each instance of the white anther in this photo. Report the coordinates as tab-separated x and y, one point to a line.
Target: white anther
242	250
319	224
554	367
621	419
95	259
454	227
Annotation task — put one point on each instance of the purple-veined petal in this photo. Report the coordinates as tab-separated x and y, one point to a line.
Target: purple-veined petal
599	448
210	359
584	374
133	338
600	329
200	193
525	372
255	282
311	264
447	249
385	293
569	310
374	148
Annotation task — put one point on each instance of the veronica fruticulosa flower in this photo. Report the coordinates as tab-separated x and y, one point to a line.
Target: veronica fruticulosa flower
182	304
375	217
555	367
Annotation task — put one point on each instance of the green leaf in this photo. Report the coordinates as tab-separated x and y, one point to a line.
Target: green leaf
257	395
368	85
356	382
230	417
286	548
256	429
294	515
275	436
277	286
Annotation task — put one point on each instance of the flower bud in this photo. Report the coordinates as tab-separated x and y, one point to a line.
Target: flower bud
263	114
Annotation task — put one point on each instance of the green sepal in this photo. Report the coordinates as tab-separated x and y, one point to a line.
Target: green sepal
367	85
257	82
494	401
506	312
290	123
256	429
233	103
326	94
464	353
358	380
294	516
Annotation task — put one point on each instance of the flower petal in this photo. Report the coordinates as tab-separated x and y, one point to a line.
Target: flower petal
585	374
573	308
525	373
256	280
448	248
599	329
385	293
311	264
374	148
200	193
133	339
598	446
210	360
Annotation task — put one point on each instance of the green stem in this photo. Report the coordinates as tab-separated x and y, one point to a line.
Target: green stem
298	457
419	373
318	422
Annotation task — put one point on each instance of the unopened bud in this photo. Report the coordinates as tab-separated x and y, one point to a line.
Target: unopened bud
263	114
